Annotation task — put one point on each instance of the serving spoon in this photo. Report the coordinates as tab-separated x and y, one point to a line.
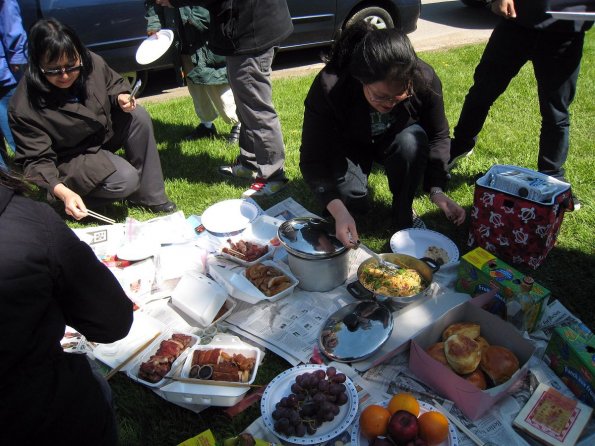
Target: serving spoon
382	262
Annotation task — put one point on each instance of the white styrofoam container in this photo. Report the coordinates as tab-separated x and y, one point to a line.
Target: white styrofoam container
210	394
151	350
242	262
199	297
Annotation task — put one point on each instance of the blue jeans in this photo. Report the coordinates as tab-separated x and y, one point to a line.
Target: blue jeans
556	61
5	95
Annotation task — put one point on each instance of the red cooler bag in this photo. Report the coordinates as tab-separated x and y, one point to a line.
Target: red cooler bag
517	214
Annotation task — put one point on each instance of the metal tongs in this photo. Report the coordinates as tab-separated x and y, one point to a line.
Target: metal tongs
382	262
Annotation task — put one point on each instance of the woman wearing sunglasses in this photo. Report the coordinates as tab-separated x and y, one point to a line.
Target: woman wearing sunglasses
375	101
69	117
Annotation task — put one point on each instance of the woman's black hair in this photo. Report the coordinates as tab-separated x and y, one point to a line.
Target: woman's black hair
48	41
14	182
372	55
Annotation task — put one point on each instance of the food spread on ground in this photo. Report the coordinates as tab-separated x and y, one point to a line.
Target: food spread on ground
245	250
390	281
268	279
221	365
158	365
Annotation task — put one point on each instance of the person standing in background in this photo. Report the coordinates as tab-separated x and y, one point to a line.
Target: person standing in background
205	72
248	33
13	57
528	32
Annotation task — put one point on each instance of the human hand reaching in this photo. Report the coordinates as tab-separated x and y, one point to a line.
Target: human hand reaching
504	8
127	103
345	229
453	212
73	203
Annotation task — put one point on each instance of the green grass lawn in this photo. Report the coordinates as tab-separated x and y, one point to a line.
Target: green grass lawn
510	136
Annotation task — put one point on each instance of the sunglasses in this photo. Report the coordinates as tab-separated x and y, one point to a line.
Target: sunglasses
61	70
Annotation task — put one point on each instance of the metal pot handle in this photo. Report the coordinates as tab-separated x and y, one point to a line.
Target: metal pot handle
434	266
357	290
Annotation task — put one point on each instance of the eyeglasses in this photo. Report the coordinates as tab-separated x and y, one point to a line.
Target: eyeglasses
61	70
392	101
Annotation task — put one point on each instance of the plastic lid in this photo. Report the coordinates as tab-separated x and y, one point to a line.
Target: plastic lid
356	331
310	238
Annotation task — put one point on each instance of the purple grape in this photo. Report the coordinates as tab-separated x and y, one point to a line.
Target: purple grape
331	371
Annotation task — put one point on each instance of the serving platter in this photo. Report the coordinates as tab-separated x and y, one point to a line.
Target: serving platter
280	387
229	216
415	242
155	46
357	439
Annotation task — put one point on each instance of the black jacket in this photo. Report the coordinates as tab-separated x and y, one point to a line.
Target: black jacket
532	14
245	26
337	125
50	279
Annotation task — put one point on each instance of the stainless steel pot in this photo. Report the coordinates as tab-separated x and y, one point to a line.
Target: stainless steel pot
425	267
318	259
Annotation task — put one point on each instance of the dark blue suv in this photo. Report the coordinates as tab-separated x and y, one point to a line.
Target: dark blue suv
115	28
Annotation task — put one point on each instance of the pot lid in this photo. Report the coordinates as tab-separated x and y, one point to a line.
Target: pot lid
356	331
310	238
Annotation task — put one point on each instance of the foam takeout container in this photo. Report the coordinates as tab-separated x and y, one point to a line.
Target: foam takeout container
472	401
214	393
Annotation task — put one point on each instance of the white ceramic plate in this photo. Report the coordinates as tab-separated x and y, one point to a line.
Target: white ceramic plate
357	439
281	386
561	15
229	216
415	242
155	46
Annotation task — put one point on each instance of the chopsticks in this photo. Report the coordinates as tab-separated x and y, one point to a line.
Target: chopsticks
211	383
458	423
234	252
97	216
131	357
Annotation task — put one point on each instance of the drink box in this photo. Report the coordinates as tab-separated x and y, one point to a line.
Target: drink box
517	214
480	271
571	354
472	401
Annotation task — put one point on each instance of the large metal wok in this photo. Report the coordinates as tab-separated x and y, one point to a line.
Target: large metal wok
425	267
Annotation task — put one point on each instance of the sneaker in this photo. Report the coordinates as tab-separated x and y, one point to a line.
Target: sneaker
234	134
238	170
264	188
576	203
417	222
200	132
455	156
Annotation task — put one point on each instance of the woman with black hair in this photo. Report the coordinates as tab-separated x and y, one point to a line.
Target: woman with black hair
71	115
375	101
50	279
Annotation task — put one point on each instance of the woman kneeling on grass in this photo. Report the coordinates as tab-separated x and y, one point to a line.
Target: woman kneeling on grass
68	118
375	101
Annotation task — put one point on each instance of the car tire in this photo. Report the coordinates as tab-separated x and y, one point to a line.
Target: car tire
378	17
133	76
474	3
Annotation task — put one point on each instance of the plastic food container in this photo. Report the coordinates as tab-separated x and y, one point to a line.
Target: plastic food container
259	295
239	260
151	350
199	297
213	394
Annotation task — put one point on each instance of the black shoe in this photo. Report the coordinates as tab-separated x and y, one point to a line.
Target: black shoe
576	203
456	153
234	134
200	132
164	208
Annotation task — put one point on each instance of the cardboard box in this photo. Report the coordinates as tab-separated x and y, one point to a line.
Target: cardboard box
571	355
480	271
472	401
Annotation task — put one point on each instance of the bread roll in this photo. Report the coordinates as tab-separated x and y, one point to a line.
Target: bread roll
477	378
482	342
436	351
469	329
498	363
462	353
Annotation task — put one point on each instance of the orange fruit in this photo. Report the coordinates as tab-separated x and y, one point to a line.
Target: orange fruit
403	401
373	421
433	427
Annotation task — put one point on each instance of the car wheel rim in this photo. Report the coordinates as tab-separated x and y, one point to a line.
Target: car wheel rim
376	21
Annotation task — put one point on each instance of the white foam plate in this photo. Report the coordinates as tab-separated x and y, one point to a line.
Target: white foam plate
415	242
155	46
357	439
281	386
137	250
562	15
229	216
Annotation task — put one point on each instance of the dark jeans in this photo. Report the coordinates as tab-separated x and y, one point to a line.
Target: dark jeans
556	63
404	160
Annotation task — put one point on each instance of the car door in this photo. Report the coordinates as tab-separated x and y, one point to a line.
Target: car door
111	28
314	22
